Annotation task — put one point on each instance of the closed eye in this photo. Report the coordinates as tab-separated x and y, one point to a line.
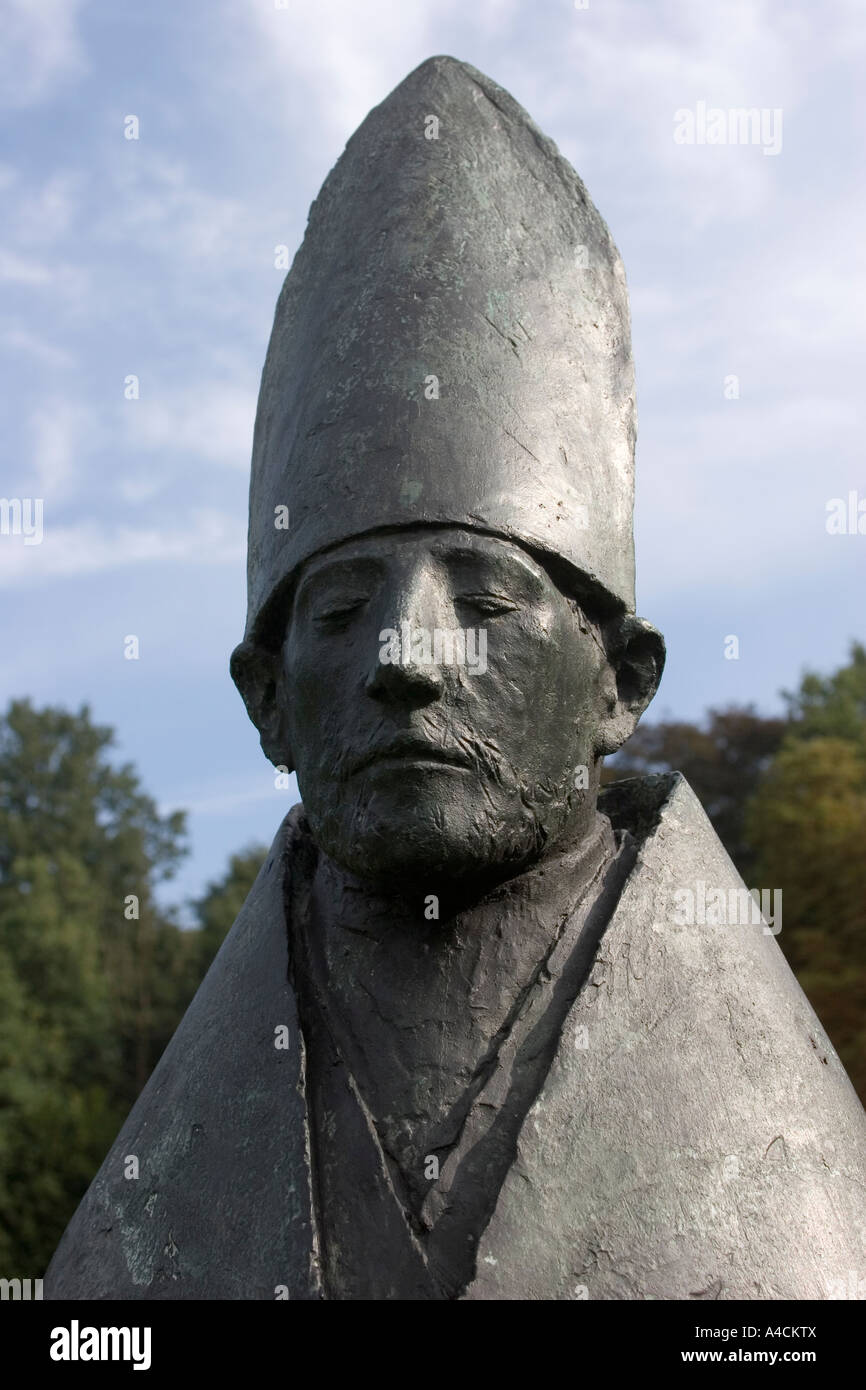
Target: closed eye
490	605
339	615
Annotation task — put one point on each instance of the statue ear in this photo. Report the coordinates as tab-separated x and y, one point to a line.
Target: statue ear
636	659
256	673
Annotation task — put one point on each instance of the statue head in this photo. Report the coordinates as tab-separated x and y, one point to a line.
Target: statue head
441	636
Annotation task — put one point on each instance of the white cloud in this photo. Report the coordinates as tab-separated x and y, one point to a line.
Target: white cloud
157	206
64	433
347	56
18	340
206	538
45	213
41	48
140	487
208	420
22	270
223	800
26	272
58	438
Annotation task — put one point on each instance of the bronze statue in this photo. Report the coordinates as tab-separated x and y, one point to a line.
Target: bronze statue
461	1042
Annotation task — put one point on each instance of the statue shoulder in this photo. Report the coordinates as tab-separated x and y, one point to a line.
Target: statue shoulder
222	1117
696	1135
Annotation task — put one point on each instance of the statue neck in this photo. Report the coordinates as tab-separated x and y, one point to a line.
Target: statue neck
418	1006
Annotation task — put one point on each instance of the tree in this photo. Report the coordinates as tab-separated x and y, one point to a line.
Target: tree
787	797
723	760
221	902
79	839
807	824
832	706
59	790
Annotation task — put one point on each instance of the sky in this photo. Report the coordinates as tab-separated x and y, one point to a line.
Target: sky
154	258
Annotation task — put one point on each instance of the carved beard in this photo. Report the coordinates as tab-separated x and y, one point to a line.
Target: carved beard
436	826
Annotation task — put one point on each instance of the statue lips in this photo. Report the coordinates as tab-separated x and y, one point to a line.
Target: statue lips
407	751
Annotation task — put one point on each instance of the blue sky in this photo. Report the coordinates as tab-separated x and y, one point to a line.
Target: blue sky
155	257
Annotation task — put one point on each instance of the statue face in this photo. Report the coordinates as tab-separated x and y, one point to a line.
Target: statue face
442	701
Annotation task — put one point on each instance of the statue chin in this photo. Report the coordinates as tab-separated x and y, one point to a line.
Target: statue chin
408	842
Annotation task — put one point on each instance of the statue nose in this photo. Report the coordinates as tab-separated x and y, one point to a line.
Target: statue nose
407	670
413	683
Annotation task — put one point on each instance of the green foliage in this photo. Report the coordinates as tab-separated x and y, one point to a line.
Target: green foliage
723	760
93	977
222	901
58	789
807	825
80	994
832	706
787	798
